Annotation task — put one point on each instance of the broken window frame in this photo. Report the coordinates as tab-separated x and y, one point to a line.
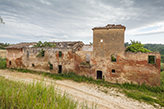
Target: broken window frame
151	61
60	54
113	58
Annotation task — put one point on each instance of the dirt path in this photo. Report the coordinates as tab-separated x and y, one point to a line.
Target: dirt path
104	98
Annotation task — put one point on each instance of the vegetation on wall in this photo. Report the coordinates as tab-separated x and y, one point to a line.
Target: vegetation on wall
83	63
45	44
41	53
136	46
51	65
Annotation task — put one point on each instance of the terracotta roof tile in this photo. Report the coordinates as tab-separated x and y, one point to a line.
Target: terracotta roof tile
111	26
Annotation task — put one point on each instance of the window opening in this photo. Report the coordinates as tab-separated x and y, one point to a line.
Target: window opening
87	56
113	70
99	74
33	65
9	62
151	59
27	54
101	40
113	58
60	54
51	66
59	68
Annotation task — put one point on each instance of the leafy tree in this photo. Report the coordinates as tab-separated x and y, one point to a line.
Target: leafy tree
3	45
136	46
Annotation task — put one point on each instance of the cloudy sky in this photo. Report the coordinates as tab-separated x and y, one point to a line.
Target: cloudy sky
73	20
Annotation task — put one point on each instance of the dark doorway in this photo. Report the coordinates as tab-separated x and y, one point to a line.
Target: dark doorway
60	69
99	74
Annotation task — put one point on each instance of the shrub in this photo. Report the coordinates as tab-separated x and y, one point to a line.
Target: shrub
136	46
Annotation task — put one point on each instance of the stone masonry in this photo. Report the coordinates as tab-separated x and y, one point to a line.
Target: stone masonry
105	59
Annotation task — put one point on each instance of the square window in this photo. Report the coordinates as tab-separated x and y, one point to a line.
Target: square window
151	59
113	70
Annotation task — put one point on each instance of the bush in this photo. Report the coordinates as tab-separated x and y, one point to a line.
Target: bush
136	46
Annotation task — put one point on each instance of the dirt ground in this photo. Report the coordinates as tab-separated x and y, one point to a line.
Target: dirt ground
89	94
2	53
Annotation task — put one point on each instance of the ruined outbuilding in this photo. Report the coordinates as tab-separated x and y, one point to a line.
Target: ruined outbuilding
105	59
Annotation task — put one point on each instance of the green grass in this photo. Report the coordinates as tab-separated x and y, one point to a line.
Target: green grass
18	95
2	63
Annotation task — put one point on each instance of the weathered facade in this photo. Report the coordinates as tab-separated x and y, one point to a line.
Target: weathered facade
106	58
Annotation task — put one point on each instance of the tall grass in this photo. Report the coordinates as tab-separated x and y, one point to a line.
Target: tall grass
17	95
2	63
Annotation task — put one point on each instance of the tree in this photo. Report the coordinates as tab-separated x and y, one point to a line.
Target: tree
136	46
1	20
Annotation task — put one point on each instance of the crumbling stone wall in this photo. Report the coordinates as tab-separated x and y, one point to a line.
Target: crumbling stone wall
51	56
14	58
128	67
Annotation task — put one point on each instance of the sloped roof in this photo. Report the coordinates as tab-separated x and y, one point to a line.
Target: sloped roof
67	44
21	45
111	26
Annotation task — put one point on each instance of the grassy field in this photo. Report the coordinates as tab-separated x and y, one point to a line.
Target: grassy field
17	95
151	95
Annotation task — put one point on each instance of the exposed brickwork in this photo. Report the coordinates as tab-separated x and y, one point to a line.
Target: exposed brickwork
107	41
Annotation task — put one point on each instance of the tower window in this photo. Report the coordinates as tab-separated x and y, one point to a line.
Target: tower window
101	40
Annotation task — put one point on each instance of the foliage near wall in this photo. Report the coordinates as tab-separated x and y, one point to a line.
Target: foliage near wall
45	44
153	47
3	45
136	46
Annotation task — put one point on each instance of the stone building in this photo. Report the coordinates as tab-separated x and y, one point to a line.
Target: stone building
105	59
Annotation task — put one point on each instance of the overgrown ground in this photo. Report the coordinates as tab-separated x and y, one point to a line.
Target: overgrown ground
151	95
18	95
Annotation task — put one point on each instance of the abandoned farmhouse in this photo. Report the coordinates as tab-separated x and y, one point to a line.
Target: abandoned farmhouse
105	59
